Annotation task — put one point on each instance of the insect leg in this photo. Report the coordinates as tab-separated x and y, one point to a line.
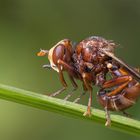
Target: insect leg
88	112
57	92
48	66
107	114
61	76
73	82
121	82
67	67
117	81
71	72
74	85
62	81
106	105
89	88
79	97
118	89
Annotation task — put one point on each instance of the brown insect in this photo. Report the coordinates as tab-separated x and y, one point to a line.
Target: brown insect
83	62
90	61
60	57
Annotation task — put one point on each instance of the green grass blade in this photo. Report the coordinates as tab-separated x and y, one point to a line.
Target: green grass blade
44	102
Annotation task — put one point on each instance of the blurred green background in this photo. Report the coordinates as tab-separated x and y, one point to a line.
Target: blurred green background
28	25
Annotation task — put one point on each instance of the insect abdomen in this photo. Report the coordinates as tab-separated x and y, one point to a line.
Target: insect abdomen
121	101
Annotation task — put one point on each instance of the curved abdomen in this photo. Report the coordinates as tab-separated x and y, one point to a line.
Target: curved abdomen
121	101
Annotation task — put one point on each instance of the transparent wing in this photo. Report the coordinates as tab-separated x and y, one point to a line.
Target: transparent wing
133	72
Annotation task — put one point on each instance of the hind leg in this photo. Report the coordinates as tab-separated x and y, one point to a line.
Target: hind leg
108	119
106	104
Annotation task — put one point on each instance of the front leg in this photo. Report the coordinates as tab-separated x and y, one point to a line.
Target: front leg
60	72
61	77
71	73
62	81
48	66
61	65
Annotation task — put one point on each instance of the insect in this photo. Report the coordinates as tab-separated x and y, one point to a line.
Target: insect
83	62
60	57
90	61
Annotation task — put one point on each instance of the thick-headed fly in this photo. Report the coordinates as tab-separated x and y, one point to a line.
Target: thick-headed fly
90	61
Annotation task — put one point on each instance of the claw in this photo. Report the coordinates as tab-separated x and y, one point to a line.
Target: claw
108	123
57	92
78	98
88	112
69	95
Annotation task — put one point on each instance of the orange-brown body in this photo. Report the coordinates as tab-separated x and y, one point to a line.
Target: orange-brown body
123	100
90	61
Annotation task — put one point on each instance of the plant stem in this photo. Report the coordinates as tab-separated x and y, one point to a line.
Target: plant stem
44	102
